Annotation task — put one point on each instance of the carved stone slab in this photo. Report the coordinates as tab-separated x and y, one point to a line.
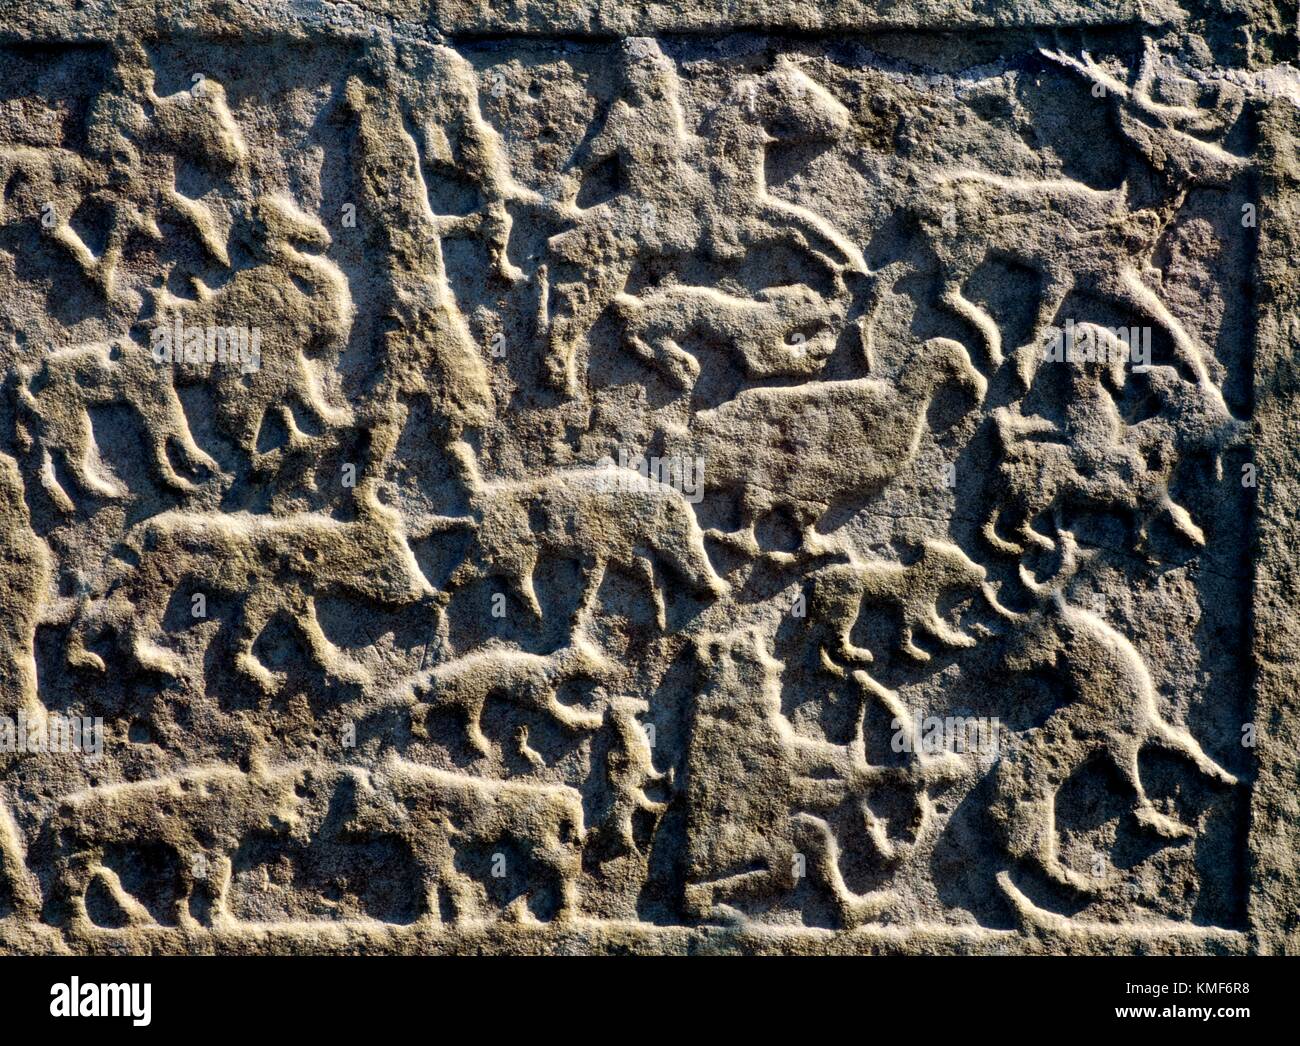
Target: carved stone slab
562	476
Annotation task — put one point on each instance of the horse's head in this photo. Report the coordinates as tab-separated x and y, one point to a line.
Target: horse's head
791	107
649	74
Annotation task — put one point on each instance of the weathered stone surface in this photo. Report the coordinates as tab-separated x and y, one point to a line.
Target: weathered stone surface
565	476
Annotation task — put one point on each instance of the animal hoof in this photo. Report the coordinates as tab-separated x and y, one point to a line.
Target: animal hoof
251	668
1166	827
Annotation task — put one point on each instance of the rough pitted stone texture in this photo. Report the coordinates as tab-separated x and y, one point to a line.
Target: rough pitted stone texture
562	476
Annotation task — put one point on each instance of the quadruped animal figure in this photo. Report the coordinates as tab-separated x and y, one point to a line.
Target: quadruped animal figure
598	515
1111	711
1093	458
269	563
805	448
1099	242
684	197
194	825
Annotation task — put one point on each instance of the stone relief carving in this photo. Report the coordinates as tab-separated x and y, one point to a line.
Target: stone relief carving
504	485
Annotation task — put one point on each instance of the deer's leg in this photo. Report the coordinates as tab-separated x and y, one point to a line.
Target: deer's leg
1127	288
326	654
967	310
253	618
645	566
1126	760
1027	357
591	591
1183	743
